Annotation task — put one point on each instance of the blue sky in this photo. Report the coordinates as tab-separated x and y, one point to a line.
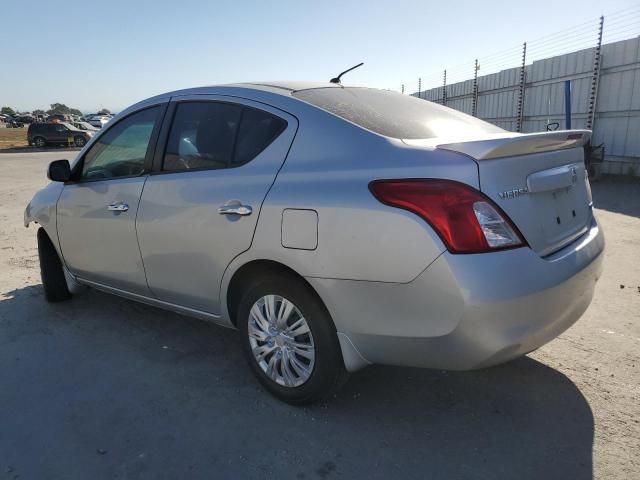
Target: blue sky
112	53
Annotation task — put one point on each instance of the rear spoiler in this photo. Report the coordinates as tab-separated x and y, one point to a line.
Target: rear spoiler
498	147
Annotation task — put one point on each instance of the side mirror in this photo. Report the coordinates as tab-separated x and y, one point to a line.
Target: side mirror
59	171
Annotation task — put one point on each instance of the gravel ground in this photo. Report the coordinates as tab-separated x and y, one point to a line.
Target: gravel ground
105	388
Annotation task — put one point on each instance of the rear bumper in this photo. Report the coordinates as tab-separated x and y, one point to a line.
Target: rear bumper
466	311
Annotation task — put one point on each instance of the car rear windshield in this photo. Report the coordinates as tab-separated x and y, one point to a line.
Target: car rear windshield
394	115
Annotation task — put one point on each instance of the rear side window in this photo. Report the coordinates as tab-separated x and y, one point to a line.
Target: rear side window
394	115
257	130
214	135
202	136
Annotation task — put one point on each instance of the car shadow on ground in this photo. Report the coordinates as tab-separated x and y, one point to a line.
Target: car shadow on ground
619	195
101	387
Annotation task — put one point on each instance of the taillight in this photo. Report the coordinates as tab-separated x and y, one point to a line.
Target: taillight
465	219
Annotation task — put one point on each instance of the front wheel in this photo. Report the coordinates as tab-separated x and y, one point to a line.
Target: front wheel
290	340
79	141
51	270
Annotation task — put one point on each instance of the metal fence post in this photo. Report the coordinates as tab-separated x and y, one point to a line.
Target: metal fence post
567	104
474	105
522	87
419	87
444	88
595	78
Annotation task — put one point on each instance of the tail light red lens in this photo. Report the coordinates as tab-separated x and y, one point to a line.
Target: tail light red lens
466	220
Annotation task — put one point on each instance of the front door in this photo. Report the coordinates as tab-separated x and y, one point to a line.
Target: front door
199	211
97	211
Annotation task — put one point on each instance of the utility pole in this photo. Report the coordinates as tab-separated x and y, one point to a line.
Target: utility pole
419	87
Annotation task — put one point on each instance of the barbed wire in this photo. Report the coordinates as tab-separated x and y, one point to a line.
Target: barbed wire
618	25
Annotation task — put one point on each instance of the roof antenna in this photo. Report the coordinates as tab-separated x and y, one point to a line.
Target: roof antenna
337	79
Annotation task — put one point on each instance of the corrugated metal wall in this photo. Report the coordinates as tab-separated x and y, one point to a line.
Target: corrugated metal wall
617	118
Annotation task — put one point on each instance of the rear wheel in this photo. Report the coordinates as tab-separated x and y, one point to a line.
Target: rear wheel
289	340
39	142
51	270
79	141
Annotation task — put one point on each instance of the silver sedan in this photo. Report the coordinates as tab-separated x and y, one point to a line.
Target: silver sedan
333	227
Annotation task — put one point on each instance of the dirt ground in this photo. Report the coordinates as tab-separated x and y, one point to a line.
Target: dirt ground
101	387
14	140
11	138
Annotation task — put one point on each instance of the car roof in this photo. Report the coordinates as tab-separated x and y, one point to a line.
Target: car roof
285	88
267	91
288	85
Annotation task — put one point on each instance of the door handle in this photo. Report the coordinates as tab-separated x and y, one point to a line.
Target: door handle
118	207
235	209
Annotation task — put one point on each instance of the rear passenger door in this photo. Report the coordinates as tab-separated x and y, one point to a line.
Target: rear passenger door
60	133
199	208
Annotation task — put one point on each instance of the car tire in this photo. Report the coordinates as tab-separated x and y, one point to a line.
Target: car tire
40	142
324	374
79	141
51	270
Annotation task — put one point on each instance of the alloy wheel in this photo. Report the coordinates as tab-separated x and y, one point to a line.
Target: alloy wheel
281	341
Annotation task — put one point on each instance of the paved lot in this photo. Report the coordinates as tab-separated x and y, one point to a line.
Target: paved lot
104	388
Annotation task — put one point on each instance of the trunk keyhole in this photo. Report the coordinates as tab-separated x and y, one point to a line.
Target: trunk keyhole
573	212
558	220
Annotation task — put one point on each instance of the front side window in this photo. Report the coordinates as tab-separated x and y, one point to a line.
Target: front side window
121	151
214	135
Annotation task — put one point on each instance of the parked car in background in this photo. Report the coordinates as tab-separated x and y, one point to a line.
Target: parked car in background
43	134
12	122
333	226
25	119
98	121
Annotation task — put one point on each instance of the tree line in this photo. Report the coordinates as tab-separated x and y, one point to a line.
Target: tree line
56	108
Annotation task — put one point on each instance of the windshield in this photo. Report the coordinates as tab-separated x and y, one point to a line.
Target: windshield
393	114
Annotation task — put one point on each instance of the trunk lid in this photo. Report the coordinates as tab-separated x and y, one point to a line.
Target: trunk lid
539	180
